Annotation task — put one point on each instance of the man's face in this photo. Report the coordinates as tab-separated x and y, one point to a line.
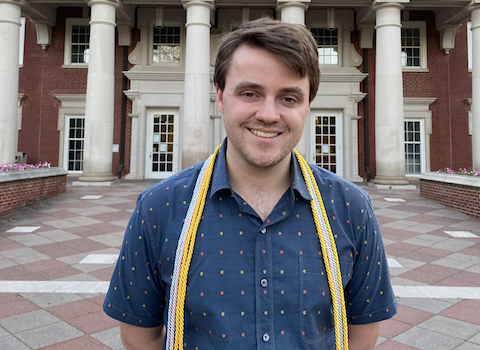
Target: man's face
264	105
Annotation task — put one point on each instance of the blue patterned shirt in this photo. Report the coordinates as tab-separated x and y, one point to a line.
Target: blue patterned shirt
252	284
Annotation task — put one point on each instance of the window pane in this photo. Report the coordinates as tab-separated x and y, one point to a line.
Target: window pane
76	133
411	47
166	45
327	42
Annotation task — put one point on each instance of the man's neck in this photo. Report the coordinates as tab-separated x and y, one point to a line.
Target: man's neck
261	188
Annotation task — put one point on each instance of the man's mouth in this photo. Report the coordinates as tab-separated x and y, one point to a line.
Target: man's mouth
264	134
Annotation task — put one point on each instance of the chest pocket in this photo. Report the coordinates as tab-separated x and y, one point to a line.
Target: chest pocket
316	318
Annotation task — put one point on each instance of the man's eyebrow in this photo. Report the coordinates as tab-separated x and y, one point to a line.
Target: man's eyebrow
247	85
294	90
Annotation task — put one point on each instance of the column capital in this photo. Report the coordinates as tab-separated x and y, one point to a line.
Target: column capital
21	3
208	3
378	4
474	5
113	3
285	3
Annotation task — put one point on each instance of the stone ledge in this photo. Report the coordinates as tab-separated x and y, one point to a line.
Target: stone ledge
465	180
28	174
21	188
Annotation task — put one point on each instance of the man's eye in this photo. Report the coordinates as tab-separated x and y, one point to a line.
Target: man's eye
248	94
289	99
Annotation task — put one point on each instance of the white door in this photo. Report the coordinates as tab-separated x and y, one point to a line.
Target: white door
327	140
162	143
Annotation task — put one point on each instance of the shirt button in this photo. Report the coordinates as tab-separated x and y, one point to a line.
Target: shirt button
265	337
263	230
264	282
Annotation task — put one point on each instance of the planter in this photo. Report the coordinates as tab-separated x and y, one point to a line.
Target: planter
22	188
460	192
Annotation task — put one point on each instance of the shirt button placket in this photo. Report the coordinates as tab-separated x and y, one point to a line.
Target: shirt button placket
263	303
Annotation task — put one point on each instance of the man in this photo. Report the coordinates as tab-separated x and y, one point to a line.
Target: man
257	278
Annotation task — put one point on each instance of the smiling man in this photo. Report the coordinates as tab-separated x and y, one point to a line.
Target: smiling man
253	248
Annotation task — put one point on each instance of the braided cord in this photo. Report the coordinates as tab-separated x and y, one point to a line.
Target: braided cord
330	256
186	242
183	256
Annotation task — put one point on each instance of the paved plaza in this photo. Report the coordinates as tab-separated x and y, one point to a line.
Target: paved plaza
57	257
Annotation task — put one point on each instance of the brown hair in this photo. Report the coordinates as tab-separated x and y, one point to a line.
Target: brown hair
291	44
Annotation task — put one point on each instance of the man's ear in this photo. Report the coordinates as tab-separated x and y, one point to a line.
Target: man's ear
219	99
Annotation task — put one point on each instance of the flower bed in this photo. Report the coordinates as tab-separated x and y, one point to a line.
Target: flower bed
461	192
22	188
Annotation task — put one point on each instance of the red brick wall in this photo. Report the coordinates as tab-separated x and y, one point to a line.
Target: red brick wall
449	81
42	77
18	194
465	199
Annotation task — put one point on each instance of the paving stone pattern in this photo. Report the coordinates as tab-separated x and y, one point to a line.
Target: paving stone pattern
70	239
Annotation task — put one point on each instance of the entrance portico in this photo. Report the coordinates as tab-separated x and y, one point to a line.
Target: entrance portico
185	90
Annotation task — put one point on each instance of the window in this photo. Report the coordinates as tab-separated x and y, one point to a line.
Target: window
166	45
469	44
327	41
77	42
75	140
414	55
413	147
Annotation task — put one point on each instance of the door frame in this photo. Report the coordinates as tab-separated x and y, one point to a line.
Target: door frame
338	114
149	174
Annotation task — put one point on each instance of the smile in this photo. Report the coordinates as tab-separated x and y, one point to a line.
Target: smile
264	134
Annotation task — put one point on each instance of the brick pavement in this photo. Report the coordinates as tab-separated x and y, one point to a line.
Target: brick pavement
47	249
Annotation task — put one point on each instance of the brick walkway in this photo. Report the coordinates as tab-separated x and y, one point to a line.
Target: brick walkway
45	250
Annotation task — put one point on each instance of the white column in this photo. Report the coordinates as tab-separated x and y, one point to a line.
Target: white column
389	115
196	131
97	162
10	11
475	9
293	11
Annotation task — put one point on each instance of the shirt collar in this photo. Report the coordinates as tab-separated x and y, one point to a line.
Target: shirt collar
220	179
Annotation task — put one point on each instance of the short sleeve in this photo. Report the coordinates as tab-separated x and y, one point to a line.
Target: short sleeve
135	295
369	294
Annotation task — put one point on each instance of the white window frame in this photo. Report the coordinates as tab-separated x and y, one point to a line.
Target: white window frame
69	22
422	145
469	46
67	139
339	44
182	45
423	45
22	41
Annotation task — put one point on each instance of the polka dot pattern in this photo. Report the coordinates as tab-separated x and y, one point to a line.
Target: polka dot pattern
251	282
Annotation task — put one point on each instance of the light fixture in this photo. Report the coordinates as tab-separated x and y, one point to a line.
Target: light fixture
159	17
331	19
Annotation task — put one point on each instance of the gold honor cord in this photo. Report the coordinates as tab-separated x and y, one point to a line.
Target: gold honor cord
176	322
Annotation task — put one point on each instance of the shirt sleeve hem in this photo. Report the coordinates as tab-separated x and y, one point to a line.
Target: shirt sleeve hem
125	317
380	315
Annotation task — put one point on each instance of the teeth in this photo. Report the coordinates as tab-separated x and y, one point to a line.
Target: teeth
264	134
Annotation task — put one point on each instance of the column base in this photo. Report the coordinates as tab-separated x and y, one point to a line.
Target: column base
390	180
96	180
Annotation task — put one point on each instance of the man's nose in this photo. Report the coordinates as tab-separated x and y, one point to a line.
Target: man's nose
268	111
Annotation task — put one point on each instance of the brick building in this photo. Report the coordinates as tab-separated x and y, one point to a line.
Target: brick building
124	88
